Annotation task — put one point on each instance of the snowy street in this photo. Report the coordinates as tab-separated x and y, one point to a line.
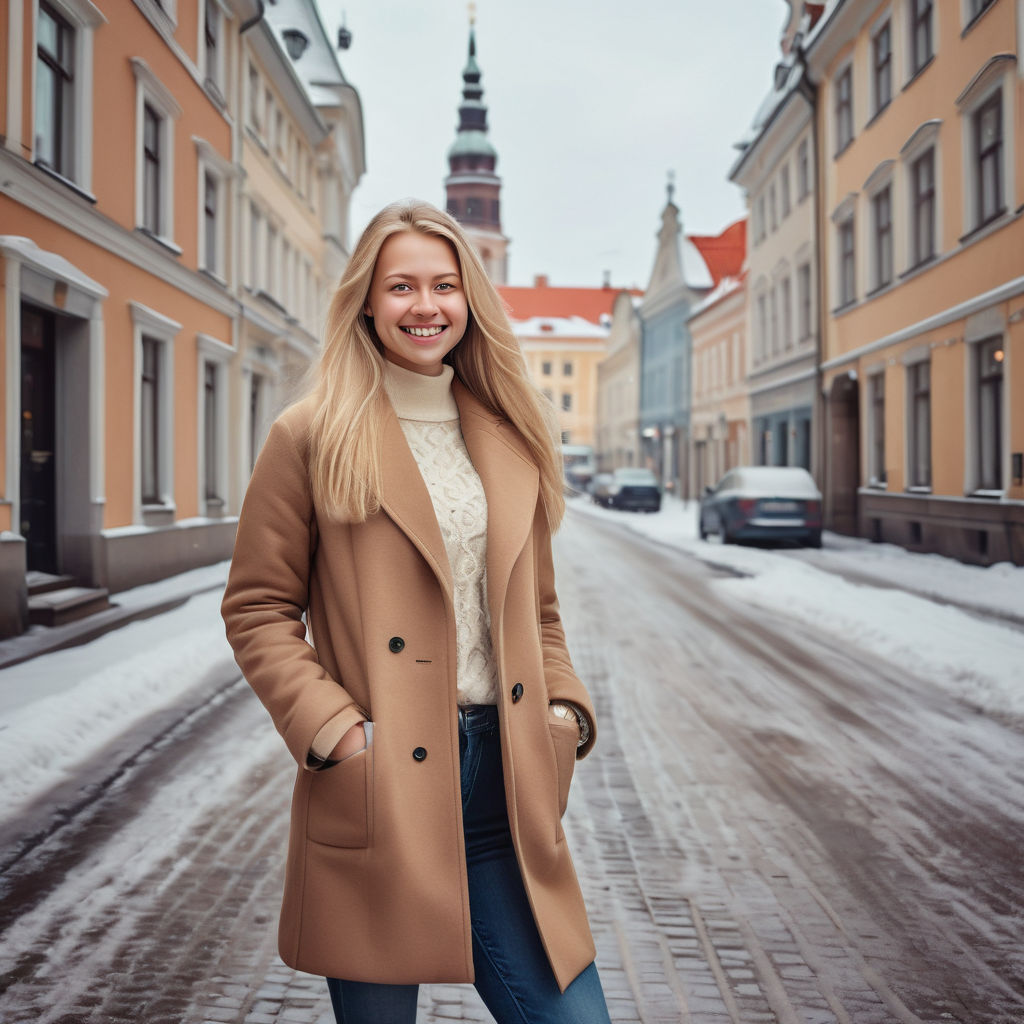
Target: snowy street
806	803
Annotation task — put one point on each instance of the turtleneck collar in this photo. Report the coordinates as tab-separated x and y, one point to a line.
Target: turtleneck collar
415	396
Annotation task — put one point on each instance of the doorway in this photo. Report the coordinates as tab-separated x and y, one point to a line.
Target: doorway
843	467
38	439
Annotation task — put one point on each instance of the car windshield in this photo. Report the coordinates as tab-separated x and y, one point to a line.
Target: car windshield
773	480
635	476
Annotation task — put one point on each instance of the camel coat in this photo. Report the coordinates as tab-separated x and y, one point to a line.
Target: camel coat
375	886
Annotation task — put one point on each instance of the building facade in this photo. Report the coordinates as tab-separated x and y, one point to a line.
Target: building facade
920	107
720	405
618	389
124	313
473	186
776	170
665	356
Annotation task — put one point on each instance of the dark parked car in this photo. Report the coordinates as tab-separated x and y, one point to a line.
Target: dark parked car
763	503
635	489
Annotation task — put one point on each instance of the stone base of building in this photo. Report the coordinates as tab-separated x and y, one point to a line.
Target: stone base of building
975	530
120	559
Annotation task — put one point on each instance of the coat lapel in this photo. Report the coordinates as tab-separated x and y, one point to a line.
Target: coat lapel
510	482
407	501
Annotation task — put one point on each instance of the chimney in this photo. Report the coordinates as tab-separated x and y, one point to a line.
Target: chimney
606	279
540	280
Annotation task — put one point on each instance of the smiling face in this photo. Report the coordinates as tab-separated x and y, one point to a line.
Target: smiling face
417	302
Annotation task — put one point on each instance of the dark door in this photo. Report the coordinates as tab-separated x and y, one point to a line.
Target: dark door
38	439
844	456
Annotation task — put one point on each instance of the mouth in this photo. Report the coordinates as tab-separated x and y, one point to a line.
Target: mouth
424	332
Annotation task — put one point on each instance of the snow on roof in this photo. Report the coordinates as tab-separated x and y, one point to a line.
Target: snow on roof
695	269
722	290
558	327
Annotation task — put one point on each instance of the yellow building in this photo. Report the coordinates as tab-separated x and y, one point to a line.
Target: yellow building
920	108
122	196
618	389
720	404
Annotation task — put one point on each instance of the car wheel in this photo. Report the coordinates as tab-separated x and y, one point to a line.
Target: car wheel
814	539
727	537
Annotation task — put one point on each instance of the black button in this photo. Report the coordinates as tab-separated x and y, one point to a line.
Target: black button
420	754
517	692
396	644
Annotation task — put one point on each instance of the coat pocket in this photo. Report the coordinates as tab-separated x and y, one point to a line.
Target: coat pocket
340	807
565	736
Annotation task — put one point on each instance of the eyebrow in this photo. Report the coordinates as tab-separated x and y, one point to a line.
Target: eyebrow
398	275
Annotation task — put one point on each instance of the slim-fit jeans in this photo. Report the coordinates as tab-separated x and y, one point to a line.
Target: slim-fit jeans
512	972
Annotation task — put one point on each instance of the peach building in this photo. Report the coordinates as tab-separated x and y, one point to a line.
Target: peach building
125	325
920	108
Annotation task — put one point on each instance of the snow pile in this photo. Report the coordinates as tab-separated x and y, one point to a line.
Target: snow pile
977	659
96	692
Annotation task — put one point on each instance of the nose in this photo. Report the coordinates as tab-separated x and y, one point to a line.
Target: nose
425	304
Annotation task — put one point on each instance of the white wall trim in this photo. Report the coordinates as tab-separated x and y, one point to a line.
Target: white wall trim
15	73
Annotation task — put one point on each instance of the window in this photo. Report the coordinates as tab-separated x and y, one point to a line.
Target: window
256	274
762	326
847	263
773	316
213	48
255	121
977	7
152	207
156	112
922	183
566	401
268	118
803	297
988	158
257	387
149	423
545	368
881	67
988	357
211	432
919	441
54	103
921	48
844	109
881	211
786	298
876	430
566	369
803	169
773	219
760	218
784	190
270	280
211	223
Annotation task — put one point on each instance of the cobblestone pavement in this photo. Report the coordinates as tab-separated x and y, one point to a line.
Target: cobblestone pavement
770	831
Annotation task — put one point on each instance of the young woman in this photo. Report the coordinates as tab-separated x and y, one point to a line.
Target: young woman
405	510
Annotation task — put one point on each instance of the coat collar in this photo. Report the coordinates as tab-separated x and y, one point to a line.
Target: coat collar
510	481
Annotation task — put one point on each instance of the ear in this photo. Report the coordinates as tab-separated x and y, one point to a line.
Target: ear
367	311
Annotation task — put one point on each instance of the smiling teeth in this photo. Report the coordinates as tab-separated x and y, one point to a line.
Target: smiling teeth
423	332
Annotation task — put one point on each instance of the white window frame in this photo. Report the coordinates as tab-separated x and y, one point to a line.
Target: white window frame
84	18
254	113
926	136
995	76
881	178
222	171
150	90
909	25
883	19
164	330
845	211
804	184
211	351
981	327
804	332
919	356
876	475
214	79
847	66
255	245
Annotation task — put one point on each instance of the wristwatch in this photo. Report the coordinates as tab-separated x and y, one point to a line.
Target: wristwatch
569	712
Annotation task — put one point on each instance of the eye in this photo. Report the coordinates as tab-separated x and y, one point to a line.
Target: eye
447	286
401	286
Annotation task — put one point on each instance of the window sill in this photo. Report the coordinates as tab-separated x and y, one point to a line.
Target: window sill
974	21
843	148
158	515
875	485
257	139
66	182
986	495
919	72
270	301
213	92
919	489
881	289
1002	218
878	113
919	268
165	243
845	307
212	275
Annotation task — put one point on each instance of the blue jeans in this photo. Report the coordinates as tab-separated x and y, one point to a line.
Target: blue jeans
512	972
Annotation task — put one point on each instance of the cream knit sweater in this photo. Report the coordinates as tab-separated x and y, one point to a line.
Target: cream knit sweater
429	418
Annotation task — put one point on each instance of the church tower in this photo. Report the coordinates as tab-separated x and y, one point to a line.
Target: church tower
473	189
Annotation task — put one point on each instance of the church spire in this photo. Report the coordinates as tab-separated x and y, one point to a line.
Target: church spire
473	187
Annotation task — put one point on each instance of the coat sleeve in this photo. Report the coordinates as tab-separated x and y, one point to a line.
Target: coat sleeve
267	594
560	677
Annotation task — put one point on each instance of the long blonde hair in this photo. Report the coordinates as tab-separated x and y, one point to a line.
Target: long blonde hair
348	379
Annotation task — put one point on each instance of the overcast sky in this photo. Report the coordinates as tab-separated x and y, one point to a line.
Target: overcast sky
590	104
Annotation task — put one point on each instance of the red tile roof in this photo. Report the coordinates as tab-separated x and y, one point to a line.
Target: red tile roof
724	254
544	300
